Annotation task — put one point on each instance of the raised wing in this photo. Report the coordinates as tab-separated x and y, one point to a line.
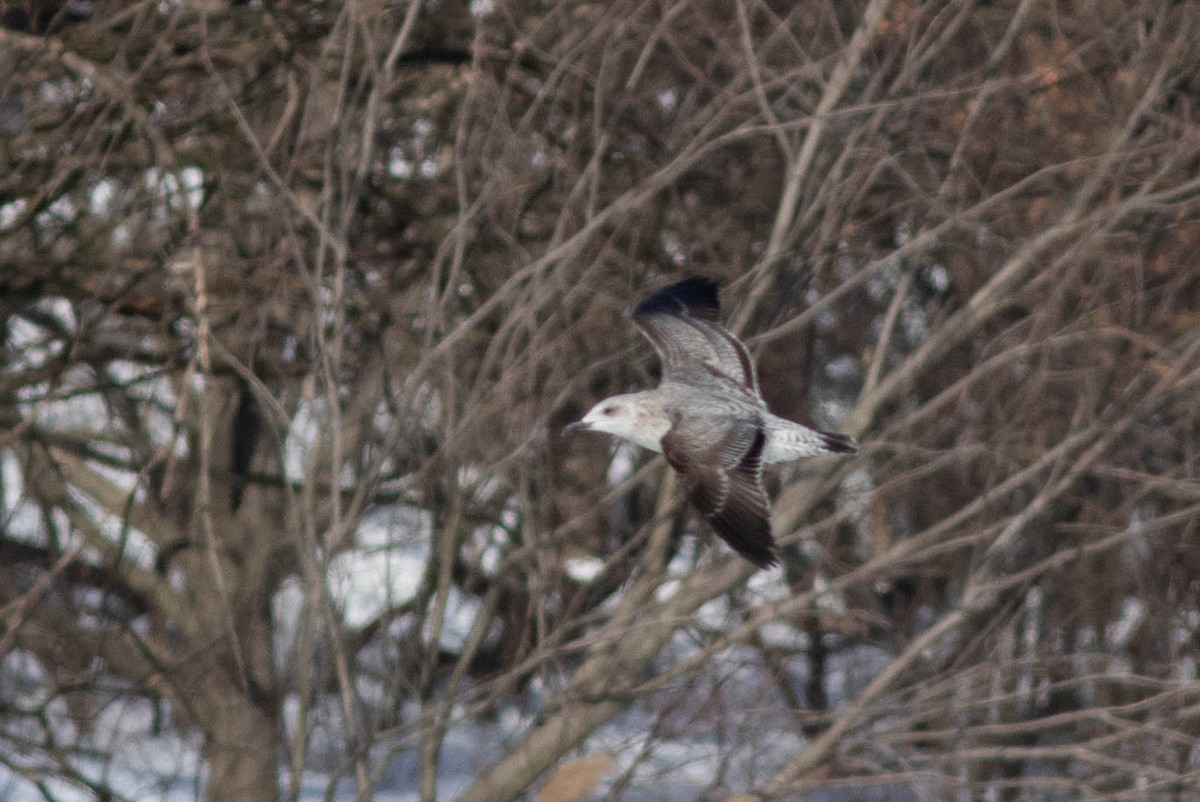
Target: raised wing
720	463
681	322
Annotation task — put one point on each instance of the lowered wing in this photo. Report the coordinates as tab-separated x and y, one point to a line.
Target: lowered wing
720	463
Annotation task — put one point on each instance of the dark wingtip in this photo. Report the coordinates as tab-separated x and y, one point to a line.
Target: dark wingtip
838	443
766	560
695	296
757	551
747	534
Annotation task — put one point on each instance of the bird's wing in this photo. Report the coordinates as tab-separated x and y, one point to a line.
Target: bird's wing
681	322
720	463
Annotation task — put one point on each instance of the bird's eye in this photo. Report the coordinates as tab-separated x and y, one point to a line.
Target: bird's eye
608	411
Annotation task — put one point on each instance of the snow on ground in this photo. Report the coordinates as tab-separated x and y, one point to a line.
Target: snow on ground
722	733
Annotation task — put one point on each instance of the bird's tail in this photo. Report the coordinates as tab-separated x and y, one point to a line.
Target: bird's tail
835	443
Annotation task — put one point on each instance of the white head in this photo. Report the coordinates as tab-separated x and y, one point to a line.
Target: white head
632	417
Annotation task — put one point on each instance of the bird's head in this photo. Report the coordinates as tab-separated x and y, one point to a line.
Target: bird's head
625	417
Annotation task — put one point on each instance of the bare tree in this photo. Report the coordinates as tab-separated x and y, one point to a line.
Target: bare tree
296	297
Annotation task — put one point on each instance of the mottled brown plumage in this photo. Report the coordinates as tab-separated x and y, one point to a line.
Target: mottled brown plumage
709	419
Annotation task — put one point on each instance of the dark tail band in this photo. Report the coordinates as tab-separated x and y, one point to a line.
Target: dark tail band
838	443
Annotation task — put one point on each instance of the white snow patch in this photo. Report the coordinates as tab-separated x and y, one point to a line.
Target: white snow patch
584	569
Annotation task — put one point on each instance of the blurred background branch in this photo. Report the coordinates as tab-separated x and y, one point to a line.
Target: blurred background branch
295	298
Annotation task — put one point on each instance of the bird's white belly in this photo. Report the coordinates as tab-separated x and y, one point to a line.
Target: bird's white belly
646	440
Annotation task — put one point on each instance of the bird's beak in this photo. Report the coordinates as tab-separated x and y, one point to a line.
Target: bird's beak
577	426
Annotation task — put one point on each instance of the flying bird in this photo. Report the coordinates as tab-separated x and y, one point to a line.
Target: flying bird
708	417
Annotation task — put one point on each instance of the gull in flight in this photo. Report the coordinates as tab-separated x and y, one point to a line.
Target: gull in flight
708	418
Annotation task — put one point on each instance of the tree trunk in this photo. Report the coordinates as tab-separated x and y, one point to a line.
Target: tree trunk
242	751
